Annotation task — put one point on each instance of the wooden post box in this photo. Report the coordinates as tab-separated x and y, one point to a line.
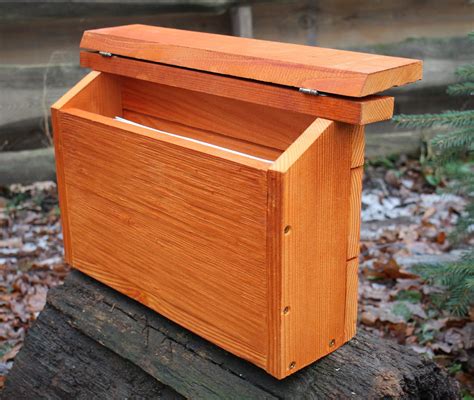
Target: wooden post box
226	195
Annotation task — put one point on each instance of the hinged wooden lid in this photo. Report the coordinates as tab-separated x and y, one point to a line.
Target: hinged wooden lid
339	72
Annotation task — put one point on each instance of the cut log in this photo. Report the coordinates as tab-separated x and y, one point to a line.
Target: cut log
92	341
60	362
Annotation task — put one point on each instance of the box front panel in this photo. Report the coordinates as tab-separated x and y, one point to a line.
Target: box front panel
180	231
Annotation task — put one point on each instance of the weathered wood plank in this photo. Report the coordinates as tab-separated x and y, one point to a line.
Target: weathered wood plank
366	367
27	166
60	362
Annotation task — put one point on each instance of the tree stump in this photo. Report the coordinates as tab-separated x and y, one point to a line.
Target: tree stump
92	342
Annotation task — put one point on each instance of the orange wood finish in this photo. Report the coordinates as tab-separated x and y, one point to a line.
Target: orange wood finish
266	126
177	229
352	280
247	147
96	93
357	138
354	212
256	254
332	71
309	207
354	111
198	234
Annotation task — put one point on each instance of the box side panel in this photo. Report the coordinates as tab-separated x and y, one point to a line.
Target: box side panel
178	230
313	228
351	298
353	239
96	92
275	274
356	133
353	247
58	156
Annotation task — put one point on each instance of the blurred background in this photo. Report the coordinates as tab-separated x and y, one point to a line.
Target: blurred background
416	269
39	49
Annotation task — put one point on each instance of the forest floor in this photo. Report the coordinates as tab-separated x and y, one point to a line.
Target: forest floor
405	221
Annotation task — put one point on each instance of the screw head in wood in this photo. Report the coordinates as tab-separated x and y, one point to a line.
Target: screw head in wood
292	365
286	310
332	342
287	229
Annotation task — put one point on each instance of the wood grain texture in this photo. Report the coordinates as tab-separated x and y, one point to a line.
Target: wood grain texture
96	92
309	211
375	109
352	296
250	255
62	197
228	142
86	325
357	138
175	228
266	126
353	247
328	70
354	111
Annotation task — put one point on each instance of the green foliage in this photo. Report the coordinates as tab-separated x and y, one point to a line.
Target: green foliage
384	161
454	368
412	296
466	72
402	310
457	279
426	334
16	200
467	396
461	89
456	119
452	158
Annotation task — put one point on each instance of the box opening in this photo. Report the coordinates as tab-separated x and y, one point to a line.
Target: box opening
248	129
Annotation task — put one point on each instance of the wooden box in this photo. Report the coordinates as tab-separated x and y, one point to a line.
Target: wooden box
227	194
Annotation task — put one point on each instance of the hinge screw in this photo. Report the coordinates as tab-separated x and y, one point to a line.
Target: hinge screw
313	92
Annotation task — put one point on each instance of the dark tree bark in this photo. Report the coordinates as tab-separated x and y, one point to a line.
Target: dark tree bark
59	362
92	342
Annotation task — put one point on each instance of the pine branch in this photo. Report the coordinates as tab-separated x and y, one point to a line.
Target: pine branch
455	119
461	182
466	72
461	89
456	278
461	139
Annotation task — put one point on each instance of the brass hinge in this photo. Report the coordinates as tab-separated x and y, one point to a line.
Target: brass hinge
313	92
105	54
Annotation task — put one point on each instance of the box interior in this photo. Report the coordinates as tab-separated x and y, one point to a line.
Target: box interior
250	129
